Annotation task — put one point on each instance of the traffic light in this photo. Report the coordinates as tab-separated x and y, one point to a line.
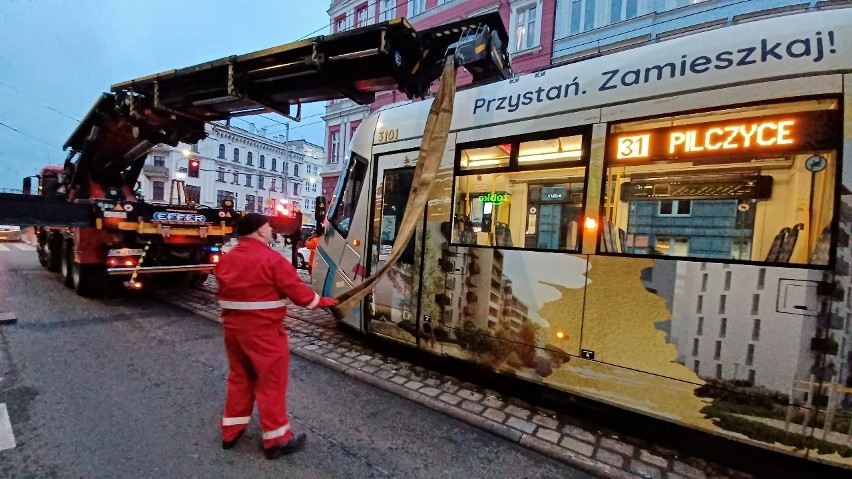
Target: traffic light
194	166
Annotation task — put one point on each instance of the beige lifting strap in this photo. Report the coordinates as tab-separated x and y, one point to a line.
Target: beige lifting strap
431	150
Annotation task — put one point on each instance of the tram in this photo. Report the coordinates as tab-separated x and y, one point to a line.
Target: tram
663	229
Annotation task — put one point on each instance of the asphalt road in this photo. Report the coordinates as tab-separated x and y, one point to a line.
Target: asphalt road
130	387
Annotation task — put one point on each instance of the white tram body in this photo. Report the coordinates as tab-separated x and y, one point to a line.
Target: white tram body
659	229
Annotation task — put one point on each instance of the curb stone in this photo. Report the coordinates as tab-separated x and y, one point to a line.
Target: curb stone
507	417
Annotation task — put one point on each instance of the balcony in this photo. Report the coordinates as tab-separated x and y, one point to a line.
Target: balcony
155	172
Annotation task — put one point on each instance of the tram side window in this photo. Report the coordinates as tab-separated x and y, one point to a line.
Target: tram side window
748	184
522	194
344	208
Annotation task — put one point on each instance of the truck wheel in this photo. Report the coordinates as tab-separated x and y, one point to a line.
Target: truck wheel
54	253
88	280
41	251
66	263
199	278
300	262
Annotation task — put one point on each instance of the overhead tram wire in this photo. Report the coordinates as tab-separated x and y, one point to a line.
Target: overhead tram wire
27	135
40	103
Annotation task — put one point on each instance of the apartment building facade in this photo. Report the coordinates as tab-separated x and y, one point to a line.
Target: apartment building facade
256	172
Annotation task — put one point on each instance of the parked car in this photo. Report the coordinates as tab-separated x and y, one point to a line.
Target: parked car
10	233
302	256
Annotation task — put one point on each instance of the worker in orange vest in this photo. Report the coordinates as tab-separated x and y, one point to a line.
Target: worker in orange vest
312	244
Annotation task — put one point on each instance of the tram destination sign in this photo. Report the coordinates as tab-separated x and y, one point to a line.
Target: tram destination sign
754	136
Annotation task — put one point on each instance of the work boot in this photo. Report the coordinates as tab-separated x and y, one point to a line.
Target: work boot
293	445
232	442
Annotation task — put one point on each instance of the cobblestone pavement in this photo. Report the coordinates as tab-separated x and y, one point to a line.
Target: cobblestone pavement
314	335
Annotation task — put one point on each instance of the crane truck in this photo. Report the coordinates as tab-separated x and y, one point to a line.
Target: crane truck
96	231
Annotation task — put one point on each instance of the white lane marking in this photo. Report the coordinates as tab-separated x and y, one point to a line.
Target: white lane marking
7	439
23	246
4	248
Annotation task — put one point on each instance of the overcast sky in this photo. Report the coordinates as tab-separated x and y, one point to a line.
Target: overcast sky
57	56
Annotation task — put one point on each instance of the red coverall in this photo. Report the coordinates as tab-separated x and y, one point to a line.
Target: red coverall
253	279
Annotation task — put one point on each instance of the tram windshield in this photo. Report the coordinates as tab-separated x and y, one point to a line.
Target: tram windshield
750	184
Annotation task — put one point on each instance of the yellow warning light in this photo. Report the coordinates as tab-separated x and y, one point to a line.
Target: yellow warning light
560	334
591	223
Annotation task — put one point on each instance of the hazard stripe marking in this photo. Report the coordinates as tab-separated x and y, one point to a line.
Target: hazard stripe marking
7	439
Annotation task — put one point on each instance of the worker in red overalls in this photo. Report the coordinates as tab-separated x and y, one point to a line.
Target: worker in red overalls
253	281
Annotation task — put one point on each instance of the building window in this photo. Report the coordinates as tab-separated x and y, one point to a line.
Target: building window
249	159
236	178
307	205
296	170
159	160
220	175
581	16
526	33
248	179
193	193
361	17
194	148
340	24
334	157
262	161
250	206
722	304
222	195
260	204
718	352
718	371
761	278
704	282
727	280
675	208
755	303
296	189
272	184
723	327
695	346
750	355
755	330
699	307
237	155
416	7
695	365
314	187
275	164
295	205
260	182
159	190
751	376
700	330
387	10
703	266
222	151
622	10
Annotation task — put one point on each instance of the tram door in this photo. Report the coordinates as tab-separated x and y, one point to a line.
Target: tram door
392	307
550	217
